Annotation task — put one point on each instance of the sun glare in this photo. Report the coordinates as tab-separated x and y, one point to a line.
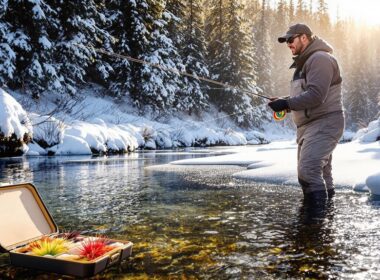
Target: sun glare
362	11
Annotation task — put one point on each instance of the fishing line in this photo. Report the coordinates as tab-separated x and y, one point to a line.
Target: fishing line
224	86
173	70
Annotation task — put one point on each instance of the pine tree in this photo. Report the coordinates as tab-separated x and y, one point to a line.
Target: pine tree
7	54
231	62
374	81
122	21
193	95
252	11
157	88
359	101
323	19
282	15
177	25
80	32
376	72
301	12
215	35
31	27
341	44
263	53
291	11
281	55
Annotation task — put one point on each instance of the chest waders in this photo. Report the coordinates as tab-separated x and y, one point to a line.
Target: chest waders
318	132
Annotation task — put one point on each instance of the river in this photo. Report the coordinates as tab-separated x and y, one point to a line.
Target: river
197	222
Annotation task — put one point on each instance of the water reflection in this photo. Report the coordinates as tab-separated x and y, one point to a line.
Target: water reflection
374	200
199	222
13	170
312	246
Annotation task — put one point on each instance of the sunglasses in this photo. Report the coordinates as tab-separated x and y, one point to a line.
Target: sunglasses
291	39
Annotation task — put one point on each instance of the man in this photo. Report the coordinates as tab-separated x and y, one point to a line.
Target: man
316	104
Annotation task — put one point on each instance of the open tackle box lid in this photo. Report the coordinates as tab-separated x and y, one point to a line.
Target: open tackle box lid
23	216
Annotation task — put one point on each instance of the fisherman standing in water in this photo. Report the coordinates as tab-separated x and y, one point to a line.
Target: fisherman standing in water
317	110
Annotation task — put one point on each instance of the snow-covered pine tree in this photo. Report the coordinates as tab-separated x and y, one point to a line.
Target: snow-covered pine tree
156	88
231	62
176	26
341	48
81	31
133	39
263	52
359	103
7	54
190	40
252	12
123	16
215	35
32	26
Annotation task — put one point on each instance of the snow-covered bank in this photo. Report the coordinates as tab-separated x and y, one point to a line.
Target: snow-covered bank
106	127
15	126
355	164
13	118
96	124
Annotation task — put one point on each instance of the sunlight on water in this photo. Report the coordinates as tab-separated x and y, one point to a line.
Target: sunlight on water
199	222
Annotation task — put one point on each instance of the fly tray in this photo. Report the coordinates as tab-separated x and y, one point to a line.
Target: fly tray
84	257
31	237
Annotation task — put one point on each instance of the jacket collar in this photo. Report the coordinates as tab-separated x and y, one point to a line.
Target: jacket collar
316	45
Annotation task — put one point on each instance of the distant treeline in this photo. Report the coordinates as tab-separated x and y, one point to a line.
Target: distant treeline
48	46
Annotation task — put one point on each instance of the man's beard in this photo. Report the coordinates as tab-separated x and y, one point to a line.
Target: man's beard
299	49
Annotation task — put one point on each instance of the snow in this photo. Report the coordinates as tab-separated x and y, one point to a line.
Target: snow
102	137
355	164
7	55
71	145
104	126
13	118
36	150
97	124
370	133
37	68
373	183
46	44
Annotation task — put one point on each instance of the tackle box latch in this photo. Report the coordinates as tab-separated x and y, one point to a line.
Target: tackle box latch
113	259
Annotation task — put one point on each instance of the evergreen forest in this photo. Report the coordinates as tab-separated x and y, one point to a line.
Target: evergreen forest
52	46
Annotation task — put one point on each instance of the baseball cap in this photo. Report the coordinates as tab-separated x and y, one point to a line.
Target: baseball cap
295	29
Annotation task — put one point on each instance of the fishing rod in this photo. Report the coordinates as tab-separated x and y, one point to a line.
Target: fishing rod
278	116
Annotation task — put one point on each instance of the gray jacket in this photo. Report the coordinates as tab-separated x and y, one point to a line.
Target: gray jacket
316	87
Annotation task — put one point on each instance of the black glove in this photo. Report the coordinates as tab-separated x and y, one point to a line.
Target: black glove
279	105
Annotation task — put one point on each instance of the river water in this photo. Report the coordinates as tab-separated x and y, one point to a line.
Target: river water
197	222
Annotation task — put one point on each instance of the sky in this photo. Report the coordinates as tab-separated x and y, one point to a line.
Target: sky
362	11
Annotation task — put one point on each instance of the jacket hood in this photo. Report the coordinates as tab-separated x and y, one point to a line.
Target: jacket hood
317	44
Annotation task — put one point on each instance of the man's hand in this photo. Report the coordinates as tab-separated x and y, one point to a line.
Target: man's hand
279	105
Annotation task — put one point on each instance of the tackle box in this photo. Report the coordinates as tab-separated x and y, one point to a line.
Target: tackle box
25	219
